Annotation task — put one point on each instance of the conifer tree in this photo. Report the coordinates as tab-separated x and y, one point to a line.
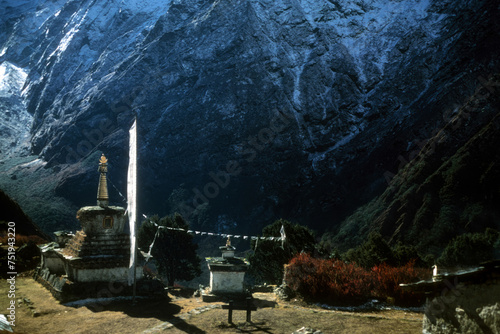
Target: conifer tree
174	251
269	257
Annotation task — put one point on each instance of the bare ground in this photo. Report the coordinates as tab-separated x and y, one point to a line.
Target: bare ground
38	312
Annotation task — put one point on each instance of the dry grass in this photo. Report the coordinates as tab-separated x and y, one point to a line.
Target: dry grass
191	315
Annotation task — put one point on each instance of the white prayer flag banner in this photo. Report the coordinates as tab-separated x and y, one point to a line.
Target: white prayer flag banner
132	197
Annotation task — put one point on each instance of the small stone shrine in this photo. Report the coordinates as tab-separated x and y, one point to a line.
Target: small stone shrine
227	275
94	263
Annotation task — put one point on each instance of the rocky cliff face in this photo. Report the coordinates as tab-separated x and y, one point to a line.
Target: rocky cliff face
248	110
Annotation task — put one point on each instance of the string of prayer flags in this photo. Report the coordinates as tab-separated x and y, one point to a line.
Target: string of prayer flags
223	235
244	237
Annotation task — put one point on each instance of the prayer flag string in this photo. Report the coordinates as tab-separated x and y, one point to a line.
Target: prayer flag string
223	235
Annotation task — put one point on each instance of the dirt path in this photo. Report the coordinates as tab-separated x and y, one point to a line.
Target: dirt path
37	312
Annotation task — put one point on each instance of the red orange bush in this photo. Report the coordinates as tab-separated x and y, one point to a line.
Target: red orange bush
327	279
341	283
387	280
22	239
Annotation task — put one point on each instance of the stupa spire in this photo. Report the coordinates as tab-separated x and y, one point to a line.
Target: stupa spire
102	190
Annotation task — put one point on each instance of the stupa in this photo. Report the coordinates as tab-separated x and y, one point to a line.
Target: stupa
94	263
227	275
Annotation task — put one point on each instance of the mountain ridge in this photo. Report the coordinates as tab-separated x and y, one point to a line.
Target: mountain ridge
361	83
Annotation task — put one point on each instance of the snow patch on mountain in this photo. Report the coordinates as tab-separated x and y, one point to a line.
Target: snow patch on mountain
15	121
12	79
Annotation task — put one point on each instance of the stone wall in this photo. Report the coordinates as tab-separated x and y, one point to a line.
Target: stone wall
227	281
117	274
53	262
64	290
464	308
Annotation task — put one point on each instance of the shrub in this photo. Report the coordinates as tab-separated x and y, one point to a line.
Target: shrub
327	279
386	280
23	239
403	254
470	249
337	282
173	251
266	263
373	251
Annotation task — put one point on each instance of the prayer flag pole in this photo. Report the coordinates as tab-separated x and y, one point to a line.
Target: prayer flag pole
132	204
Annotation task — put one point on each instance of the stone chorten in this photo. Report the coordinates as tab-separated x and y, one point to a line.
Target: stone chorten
95	257
227	274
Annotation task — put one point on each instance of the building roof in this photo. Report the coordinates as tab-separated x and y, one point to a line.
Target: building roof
485	272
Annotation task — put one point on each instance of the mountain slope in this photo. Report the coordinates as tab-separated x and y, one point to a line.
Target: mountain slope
248	110
12	212
449	188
